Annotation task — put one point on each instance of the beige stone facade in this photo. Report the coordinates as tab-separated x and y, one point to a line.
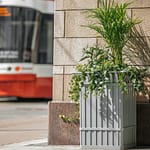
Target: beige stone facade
70	37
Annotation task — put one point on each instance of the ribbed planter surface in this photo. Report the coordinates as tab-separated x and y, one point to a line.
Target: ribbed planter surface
108	121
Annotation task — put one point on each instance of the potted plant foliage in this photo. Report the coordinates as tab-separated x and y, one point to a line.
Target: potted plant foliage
105	85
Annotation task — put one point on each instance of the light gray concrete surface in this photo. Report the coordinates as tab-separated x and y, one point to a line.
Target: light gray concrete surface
37	145
23	121
41	144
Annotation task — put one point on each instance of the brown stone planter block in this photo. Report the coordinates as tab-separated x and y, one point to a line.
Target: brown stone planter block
143	124
61	133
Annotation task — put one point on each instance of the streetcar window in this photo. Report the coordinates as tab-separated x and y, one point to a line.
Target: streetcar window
26	35
18	29
45	47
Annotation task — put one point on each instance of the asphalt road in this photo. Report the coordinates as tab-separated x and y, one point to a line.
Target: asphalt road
23	121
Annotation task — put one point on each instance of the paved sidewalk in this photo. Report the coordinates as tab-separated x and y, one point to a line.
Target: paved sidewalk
37	145
42	145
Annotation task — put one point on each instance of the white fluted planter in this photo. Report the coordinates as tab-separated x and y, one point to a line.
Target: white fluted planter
108	121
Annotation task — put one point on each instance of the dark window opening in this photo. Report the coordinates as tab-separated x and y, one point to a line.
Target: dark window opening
45	48
26	35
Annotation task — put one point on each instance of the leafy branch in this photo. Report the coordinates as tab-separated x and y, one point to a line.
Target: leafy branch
100	70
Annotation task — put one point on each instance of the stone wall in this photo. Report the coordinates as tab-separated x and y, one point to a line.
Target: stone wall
71	37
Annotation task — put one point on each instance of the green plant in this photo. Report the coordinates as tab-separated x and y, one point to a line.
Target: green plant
100	69
115	27
103	64
71	119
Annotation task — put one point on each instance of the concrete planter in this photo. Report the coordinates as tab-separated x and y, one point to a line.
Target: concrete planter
143	124
108	121
61	133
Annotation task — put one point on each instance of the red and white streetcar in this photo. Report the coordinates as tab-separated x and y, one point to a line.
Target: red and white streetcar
26	48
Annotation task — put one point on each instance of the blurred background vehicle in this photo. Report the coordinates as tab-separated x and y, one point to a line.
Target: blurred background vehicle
26	48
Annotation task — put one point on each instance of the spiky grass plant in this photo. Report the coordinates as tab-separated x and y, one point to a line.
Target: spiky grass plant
113	25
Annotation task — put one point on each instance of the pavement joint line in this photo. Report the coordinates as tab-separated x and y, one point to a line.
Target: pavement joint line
26	143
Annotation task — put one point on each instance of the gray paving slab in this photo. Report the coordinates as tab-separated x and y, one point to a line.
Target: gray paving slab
42	145
38	145
41	148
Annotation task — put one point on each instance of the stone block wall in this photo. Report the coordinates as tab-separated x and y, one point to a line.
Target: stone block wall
71	37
